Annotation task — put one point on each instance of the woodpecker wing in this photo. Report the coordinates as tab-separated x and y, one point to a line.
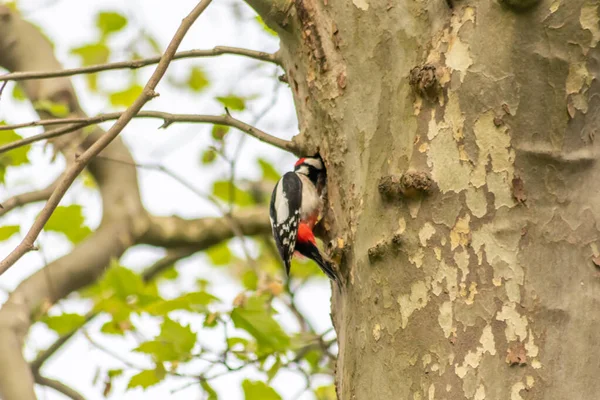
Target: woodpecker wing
286	202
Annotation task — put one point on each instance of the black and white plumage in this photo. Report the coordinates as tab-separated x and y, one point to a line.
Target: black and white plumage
295	207
284	212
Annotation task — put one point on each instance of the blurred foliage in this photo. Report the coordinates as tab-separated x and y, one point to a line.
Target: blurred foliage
69	220
7	231
13	158
257	390
184	310
232	102
56	110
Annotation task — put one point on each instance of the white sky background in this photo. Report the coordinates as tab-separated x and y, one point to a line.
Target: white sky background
70	23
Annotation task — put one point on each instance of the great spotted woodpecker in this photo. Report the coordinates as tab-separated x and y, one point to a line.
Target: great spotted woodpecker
296	204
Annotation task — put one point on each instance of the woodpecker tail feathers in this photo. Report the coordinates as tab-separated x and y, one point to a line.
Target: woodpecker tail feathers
310	250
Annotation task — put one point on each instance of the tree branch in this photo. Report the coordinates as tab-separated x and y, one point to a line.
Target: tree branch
273	12
59	387
2	88
135	64
168	119
72	172
42	136
172	232
172	256
27	198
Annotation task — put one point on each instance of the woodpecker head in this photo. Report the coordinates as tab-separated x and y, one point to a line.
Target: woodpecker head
313	168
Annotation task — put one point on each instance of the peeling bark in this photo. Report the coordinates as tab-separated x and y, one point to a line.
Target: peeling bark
494	266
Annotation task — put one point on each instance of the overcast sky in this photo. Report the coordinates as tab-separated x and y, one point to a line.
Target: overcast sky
70	23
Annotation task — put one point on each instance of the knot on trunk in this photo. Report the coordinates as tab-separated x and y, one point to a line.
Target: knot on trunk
409	185
384	246
424	82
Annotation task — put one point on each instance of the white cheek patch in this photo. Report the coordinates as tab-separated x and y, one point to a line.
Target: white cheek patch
302	170
315	162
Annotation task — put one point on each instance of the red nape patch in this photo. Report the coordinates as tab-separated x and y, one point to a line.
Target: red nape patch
305	234
300	161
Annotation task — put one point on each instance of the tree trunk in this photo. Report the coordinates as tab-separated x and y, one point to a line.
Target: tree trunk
463	196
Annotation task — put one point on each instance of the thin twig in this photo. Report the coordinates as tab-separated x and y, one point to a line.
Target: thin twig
27	198
135	64
233	223
124	360
168	119
58	386
111	353
80	163
46	354
2	88
42	136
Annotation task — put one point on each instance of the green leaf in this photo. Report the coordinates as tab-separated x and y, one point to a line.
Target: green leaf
232	102
113	373
169	274
120	292
7	231
255	319
269	172
264	26
209	156
64	323
14	157
147	378
174	343
193	301
88	180
197	79
113	328
91	54
69	220
211	320
18	93
219	254
110	22
250	280
274	369
313	357
212	395
126	97
304	269
257	390
92	81
221	189
326	392
182	337
202	284
161	351
233	341
219	131
57	110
